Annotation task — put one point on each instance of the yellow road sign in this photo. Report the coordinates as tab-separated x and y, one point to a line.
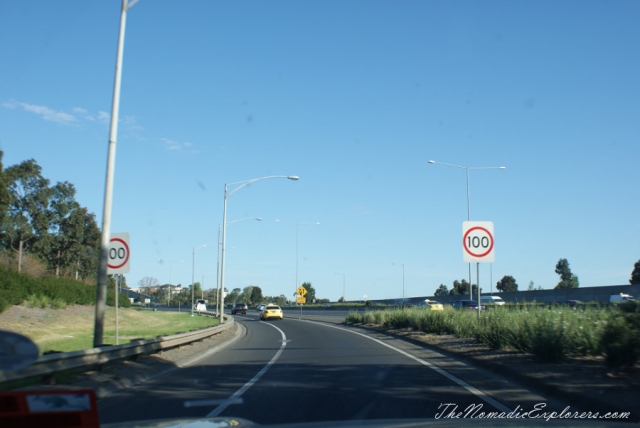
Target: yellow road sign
301	300
301	291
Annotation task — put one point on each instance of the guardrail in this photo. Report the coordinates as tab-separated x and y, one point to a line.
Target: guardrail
48	365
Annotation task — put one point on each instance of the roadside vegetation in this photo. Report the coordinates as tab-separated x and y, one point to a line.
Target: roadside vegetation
549	334
23	289
71	329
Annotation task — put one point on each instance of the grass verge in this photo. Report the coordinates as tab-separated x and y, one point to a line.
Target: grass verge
71	329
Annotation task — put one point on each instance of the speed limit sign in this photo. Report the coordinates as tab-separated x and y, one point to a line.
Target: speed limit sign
477	242
119	254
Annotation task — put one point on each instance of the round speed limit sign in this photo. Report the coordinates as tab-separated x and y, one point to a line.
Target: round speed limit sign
119	254
477	242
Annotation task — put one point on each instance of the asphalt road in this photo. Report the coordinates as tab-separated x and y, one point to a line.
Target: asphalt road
299	370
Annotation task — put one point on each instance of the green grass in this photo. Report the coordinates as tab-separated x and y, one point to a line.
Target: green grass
71	329
548	333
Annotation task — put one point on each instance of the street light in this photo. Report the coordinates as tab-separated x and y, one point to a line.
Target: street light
101	289
239	185
467	168
169	261
193	272
297	224
401	264
220	297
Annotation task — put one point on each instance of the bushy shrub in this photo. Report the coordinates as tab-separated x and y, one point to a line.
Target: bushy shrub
620	341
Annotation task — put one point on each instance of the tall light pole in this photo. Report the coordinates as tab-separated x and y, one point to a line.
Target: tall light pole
401	264
220	298
101	289
297	227
239	185
170	262
467	168
193	272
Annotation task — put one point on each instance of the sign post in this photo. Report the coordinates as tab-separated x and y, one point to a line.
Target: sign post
478	247
300	299
119	256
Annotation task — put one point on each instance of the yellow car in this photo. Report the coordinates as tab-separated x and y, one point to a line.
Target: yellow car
431	305
271	311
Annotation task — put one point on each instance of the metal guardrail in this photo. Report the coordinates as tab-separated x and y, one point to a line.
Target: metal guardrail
51	364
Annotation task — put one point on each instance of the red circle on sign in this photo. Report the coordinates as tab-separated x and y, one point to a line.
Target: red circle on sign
464	238
126	259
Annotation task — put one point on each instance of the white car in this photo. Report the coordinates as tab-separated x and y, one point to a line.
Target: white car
260	308
491	300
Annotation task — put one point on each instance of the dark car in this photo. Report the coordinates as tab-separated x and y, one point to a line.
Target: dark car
468	304
239	307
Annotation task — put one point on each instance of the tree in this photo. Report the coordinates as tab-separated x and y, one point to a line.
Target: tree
256	295
461	288
635	274
532	287
311	292
4	192
442	291
567	279
507	283
27	217
147	283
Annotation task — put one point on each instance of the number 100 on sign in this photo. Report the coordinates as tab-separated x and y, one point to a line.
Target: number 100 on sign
477	242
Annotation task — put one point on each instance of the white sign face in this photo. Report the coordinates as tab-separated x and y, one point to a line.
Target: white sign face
477	242
119	254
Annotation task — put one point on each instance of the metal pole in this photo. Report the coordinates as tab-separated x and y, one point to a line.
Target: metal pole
218	271
478	280
224	233
297	227
101	289
343	288
193	273
469	219
117	292
169	299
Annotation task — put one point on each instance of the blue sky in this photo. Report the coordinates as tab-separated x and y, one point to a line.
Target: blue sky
355	97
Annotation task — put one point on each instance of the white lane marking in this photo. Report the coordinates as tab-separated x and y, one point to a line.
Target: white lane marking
465	385
236	395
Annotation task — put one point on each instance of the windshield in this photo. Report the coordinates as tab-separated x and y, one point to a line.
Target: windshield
419	187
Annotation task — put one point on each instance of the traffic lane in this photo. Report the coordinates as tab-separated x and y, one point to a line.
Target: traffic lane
215	377
326	374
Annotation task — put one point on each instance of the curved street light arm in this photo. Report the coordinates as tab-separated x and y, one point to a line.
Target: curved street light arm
247	182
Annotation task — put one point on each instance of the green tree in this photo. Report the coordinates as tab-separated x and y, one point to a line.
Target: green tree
27	214
442	291
532	287
311	292
635	274
461	288
507	283
4	193
256	296
567	279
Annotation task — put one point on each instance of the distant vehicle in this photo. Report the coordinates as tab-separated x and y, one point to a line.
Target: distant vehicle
622	297
468	304
239	307
432	305
491	300
200	305
271	311
261	307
